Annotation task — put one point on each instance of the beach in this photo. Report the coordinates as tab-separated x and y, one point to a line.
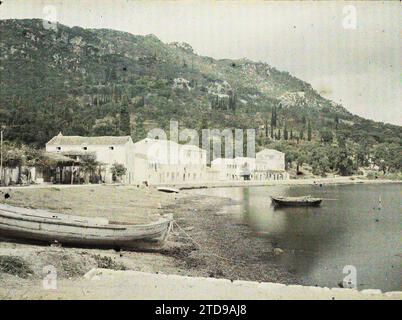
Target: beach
201	243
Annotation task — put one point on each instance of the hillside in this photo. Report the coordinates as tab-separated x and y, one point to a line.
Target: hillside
104	82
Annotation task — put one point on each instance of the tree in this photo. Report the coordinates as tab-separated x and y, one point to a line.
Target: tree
125	127
232	101
336	121
285	134
319	161
394	160
362	153
106	126
380	153
344	163
89	166
273	117
139	130
118	170
301	157
309	131
326	135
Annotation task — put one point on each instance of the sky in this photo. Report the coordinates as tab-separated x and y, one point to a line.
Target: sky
350	52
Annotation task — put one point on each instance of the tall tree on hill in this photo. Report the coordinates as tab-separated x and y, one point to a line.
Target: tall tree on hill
291	134
273	117
266	128
336	121
304	121
125	120
309	131
232	101
139	130
285	133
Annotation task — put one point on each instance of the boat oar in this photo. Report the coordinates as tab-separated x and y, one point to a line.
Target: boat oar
329	199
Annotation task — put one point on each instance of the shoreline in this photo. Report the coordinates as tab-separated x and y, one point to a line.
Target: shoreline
289	182
218	184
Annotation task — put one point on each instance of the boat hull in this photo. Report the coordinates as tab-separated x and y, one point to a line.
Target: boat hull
37	227
296	203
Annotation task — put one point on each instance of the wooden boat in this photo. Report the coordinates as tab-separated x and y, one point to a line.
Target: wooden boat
296	201
168	189
45	226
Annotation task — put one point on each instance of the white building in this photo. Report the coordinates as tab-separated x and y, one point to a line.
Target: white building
239	168
164	161
270	159
269	164
108	150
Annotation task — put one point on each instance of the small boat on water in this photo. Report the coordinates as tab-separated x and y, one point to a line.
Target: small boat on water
46	226
296	201
168	189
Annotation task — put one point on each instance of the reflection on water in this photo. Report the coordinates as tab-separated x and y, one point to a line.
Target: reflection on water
362	228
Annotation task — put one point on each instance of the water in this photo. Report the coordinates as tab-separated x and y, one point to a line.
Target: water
361	230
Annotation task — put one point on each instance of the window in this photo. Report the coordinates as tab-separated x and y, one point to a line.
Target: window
58	148
111	148
85	148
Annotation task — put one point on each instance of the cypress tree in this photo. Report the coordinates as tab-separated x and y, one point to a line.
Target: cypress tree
309	131
125	120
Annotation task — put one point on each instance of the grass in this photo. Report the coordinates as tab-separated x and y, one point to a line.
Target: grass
108	263
15	266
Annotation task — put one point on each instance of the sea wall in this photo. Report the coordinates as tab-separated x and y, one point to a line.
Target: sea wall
141	285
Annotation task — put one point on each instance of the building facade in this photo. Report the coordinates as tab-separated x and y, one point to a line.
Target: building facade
108	150
154	161
239	168
269	164
164	161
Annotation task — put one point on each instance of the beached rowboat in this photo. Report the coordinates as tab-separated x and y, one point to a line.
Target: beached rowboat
41	225
168	189
296	201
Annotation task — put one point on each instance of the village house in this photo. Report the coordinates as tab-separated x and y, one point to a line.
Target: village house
164	161
269	164
239	168
107	151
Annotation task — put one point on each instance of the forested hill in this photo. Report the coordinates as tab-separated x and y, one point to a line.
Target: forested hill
105	82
